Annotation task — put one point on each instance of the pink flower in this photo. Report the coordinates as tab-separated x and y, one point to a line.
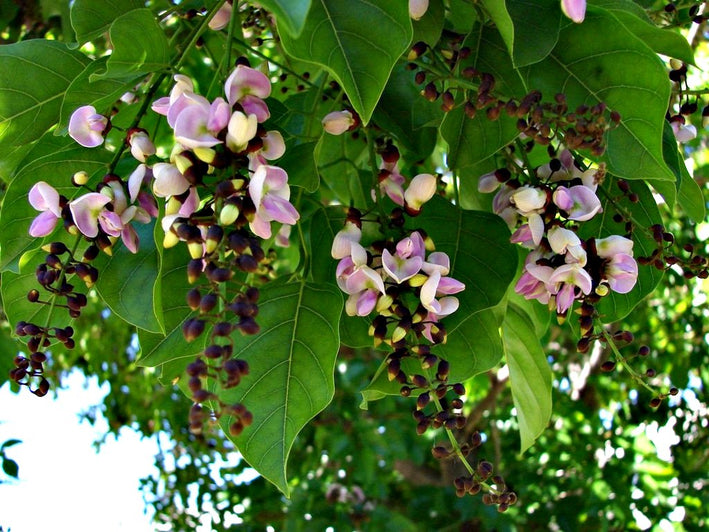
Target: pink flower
198	122
86	209
401	267
221	18
436	285
488	183
169	181
417	8
574	9
570	277
579	202
621	270
162	106
270	193
420	190
246	81
529	199
566	242
391	183
241	130
338	122
342	243
43	197
86	126
141	147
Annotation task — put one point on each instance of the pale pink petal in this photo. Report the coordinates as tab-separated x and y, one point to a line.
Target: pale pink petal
135	181
86	126
449	286
219	114
273	145
43	197
85	211
574	9
366	302
417	8
130	238
240	131
613	245
260	227
337	122
622	273
168	180
191	128
246	80
110	223
278	209
43	224
221	18
400	269
253	105
421	189
437	261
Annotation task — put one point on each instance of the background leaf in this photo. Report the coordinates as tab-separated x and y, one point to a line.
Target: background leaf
290	14
139	46
291	362
126	281
359	42
536	25
92	19
530	376
30	102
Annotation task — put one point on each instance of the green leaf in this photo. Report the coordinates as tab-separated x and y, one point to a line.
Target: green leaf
691	197
490	54
92	19
358	42
428	29
645	213
472	142
536	26
405	114
299	162
621	71
291	372
101	93
53	160
10	467
337	159
165	349
30	102
502	20
10	443
127	279
139	46
530	376
290	14
663	40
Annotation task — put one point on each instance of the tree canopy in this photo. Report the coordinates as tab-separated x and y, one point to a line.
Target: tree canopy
424	265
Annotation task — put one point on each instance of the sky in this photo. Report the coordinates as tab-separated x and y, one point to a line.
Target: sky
63	484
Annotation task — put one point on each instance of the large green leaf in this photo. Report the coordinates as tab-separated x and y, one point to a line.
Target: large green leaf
291	378
358	42
530	376
34	75
407	116
126	282
645	213
337	158
663	40
429	27
536	26
621	71
472	142
139	46
164	349
53	160
290	14
91	19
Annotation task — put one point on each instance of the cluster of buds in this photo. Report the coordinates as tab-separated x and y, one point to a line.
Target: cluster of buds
691	263
685	106
561	267
538	121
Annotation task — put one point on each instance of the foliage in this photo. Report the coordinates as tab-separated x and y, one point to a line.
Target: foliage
190	187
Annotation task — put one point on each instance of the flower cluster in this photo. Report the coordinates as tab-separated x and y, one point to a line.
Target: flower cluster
561	267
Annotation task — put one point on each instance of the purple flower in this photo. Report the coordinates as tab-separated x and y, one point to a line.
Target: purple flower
221	18
43	197
245	81
270	193
141	147
86	126
342	243
86	209
579	202
169	181
570	277
574	9
621	270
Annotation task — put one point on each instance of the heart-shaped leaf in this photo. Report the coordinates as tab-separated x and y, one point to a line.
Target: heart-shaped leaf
290	14
91	19
291	378
358	42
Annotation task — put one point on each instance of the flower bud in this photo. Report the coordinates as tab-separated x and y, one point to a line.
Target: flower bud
338	122
420	190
